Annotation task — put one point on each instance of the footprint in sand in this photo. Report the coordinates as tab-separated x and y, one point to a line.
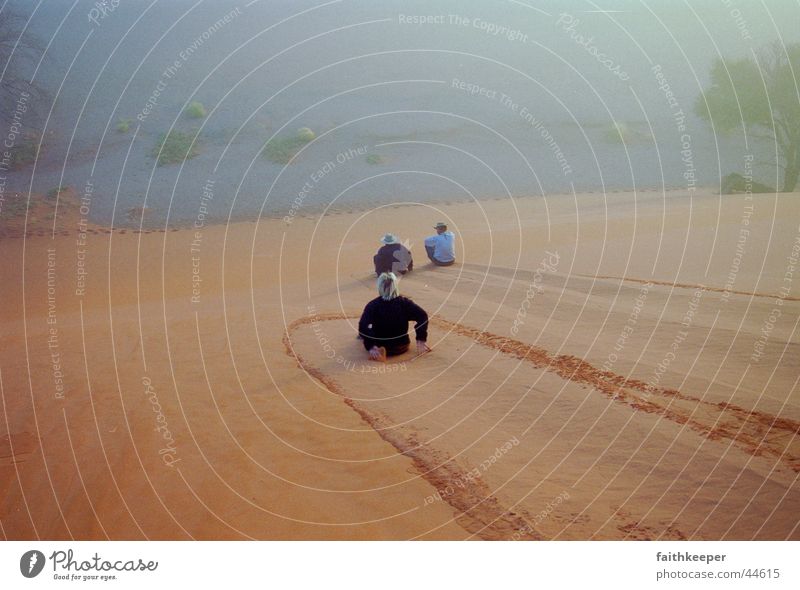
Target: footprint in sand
572	518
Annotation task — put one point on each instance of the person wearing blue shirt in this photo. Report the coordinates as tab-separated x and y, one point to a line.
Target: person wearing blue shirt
441	248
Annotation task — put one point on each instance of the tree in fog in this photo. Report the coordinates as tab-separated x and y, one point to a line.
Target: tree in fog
763	96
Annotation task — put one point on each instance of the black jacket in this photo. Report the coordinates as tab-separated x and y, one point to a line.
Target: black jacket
385	323
394	258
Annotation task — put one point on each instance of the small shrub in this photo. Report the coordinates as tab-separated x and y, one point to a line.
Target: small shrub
54	192
375	159
175	147
196	110
24	152
123	125
305	134
281	150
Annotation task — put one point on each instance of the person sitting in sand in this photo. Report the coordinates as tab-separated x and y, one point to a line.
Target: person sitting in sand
384	323
441	248
392	257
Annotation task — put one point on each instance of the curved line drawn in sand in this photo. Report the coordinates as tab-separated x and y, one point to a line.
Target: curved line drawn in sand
479	511
748	429
687	286
754	432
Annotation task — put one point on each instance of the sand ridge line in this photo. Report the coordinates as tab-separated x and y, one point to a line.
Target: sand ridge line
685	286
748	429
98	231
480	511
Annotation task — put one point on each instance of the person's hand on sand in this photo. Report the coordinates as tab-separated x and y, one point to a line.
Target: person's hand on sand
377	353
422	347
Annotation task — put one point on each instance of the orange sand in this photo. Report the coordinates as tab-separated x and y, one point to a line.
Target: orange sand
553	406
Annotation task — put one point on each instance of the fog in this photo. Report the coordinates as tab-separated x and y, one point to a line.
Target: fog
408	101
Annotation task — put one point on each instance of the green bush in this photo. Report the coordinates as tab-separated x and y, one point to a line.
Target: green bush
24	153
123	125
305	134
281	150
196	110
54	192
175	147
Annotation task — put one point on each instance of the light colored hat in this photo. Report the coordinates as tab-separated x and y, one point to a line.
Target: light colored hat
389	239
440	224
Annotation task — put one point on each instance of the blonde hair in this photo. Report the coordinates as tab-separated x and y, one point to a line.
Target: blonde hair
387	286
